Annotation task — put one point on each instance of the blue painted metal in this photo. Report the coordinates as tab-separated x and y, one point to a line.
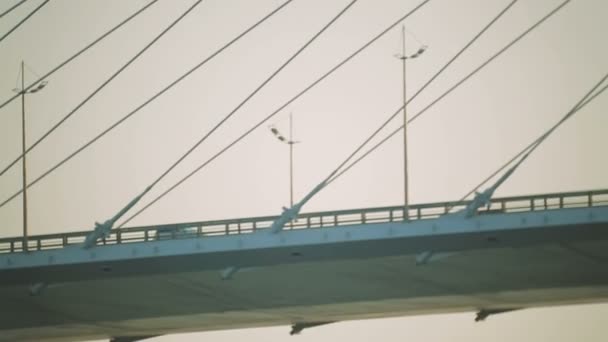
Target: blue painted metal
515	252
103	230
292	213
353	234
532	203
482	199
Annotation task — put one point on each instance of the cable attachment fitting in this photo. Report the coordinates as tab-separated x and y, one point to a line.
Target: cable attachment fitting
290	214
482	199
103	230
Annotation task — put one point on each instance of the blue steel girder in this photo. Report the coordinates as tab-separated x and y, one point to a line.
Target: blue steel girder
541	202
446	234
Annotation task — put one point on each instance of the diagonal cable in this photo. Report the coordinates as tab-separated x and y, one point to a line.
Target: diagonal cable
148	101
23	20
451	89
525	33
251	95
103	85
441	70
90	45
527	151
457	55
10	9
393	133
275	112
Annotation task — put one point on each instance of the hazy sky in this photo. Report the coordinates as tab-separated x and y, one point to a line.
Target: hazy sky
452	147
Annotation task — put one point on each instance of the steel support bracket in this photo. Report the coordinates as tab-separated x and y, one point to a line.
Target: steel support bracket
297	328
429	256
482	314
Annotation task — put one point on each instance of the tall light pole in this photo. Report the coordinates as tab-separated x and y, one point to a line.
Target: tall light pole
289	141
22	91
403	57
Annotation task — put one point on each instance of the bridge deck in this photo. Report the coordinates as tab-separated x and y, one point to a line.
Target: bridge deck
549	249
550	201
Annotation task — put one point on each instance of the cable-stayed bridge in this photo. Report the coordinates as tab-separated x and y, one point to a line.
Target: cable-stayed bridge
487	255
514	253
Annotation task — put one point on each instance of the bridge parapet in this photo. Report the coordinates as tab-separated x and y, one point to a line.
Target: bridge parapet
539	202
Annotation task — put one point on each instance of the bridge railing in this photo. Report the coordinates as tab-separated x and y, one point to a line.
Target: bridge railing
550	201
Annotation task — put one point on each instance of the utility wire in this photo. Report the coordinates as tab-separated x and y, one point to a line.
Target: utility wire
10	9
23	20
534	144
298	95
31	70
155	96
64	63
18	79
103	85
451	89
415	37
251	95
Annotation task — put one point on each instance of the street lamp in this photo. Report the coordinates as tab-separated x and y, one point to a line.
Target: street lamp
289	141
403	57
22	91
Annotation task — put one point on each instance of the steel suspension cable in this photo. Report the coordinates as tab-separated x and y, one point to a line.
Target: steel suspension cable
426	84
248	97
457	55
93	43
10	9
393	133
275	112
527	151
451	89
149	100
23	20
525	33
103	85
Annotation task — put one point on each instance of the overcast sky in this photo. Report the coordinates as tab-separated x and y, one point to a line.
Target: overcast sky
452	147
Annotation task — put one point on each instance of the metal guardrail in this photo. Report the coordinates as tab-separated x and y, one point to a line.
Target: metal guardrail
550	201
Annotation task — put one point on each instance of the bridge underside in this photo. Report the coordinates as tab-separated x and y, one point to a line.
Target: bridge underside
549	273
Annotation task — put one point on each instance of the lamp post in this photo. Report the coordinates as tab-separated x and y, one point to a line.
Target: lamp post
289	141
403	57
22	91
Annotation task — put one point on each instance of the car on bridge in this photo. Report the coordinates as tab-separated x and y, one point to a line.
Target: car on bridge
175	232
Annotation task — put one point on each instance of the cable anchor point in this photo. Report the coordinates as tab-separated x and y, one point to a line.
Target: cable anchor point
103	230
